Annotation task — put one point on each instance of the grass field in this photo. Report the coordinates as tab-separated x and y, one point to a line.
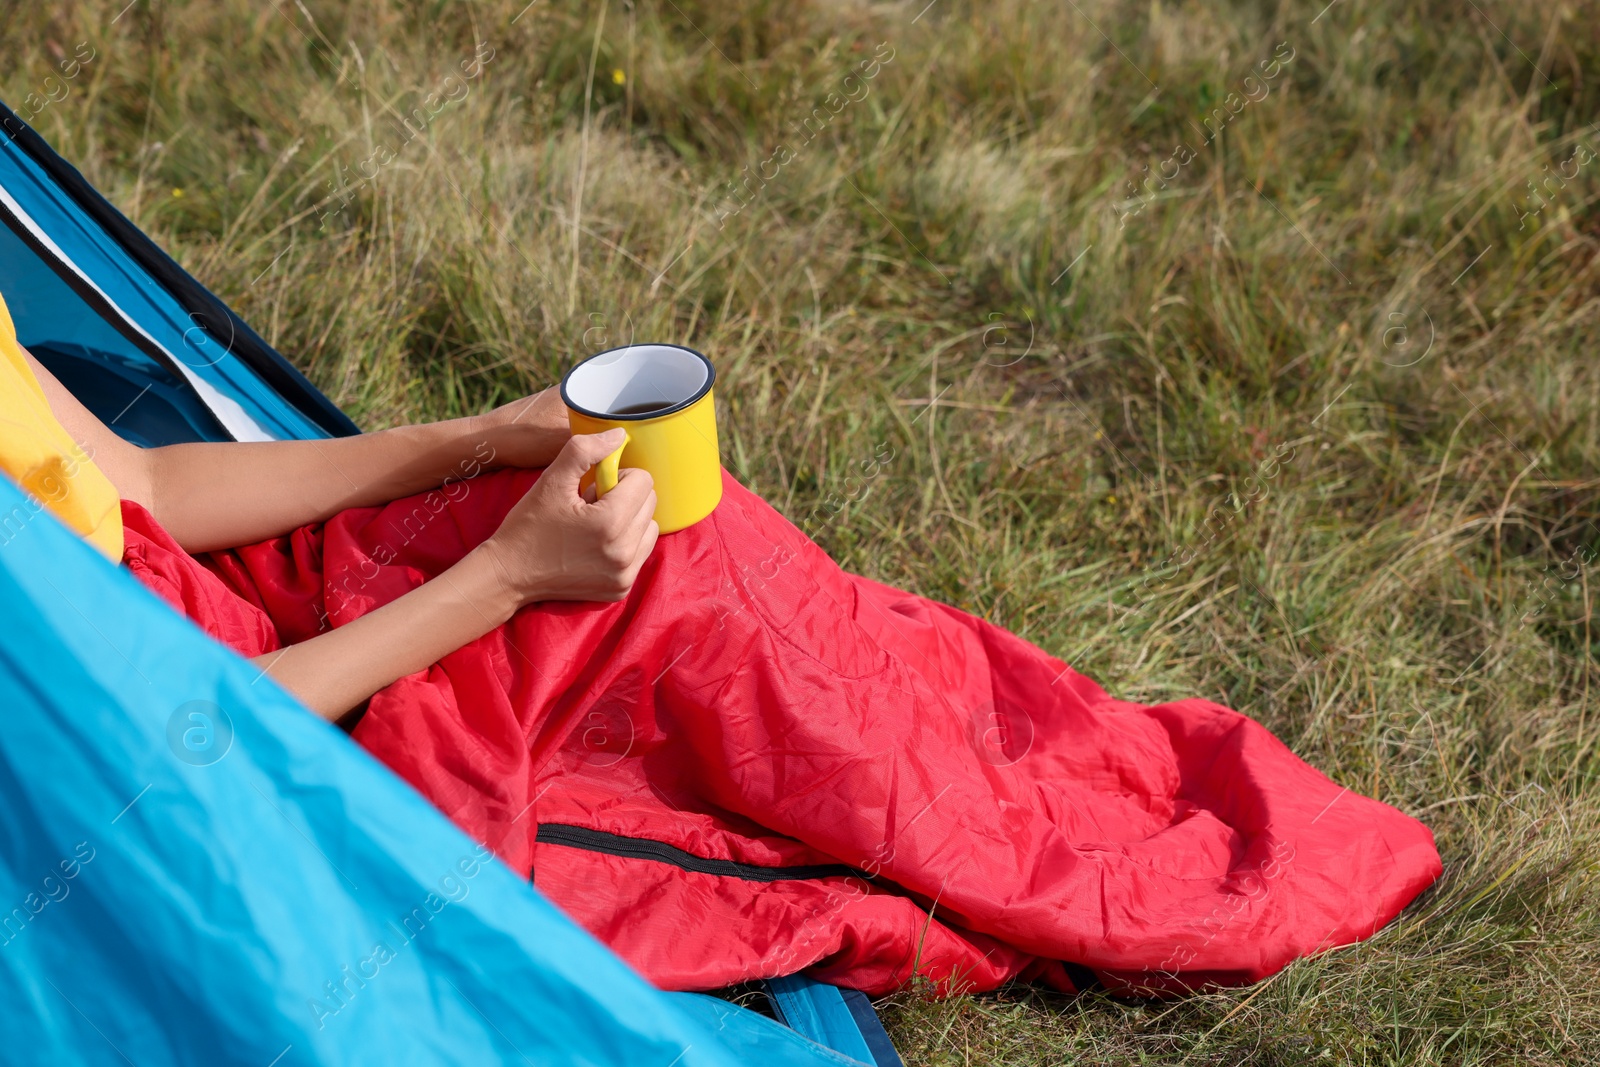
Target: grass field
1305	423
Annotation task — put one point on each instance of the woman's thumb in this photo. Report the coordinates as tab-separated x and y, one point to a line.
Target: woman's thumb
579	454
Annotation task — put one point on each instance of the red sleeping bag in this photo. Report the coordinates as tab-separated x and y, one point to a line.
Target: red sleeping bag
758	764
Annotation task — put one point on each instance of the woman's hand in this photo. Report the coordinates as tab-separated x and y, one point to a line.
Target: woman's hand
555	545
552	545
529	432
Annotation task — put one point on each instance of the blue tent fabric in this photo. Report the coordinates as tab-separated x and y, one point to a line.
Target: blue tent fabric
76	272
196	870
842	1019
870	1027
818	1009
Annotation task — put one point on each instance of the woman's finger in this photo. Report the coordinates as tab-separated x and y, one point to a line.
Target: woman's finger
644	516
646	545
577	456
633	486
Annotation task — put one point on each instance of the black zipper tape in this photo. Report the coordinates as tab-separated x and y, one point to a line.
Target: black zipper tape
643	848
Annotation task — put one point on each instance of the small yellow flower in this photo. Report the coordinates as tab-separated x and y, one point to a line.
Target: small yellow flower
177	194
1112	499
617	77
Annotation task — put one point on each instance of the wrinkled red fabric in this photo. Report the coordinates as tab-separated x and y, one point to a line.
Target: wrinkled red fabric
979	810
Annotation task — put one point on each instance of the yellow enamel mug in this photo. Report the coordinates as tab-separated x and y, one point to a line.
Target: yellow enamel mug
661	395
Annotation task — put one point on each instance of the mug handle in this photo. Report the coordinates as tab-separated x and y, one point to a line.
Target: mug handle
605	472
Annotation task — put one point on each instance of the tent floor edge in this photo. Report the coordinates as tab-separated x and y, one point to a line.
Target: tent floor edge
841	1019
871	1027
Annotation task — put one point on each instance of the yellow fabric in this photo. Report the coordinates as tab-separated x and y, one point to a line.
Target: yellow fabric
42	458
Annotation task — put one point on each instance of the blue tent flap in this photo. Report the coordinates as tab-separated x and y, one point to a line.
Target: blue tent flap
196	870
76	271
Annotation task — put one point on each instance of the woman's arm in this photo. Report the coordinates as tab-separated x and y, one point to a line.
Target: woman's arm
552	545
210	496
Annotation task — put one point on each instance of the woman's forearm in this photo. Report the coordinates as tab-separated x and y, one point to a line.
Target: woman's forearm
335	672
553	544
211	496
222	495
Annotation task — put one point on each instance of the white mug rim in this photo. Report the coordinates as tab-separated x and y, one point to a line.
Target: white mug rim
705	386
